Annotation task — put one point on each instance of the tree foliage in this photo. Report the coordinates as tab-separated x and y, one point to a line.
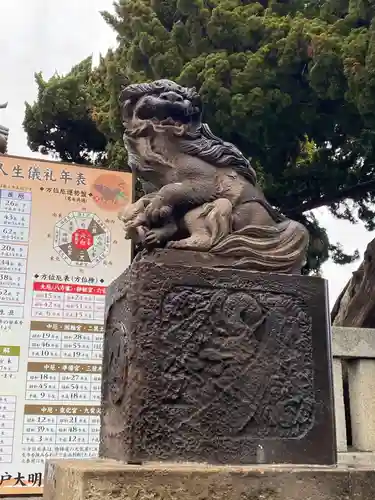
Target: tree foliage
61	121
291	83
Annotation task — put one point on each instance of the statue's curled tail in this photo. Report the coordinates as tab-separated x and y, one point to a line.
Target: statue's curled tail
280	248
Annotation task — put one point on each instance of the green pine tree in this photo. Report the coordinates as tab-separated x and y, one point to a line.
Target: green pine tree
290	83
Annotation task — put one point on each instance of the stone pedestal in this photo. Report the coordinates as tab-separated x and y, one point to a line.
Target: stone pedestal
106	479
207	363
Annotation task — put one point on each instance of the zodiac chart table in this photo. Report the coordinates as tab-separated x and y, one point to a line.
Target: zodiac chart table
61	244
15	214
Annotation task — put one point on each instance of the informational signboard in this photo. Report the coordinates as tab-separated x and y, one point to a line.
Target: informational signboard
61	244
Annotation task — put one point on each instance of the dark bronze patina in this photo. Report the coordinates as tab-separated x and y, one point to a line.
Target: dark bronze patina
201	192
208	357
216	365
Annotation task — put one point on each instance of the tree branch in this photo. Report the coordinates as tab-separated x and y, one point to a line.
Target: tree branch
359	190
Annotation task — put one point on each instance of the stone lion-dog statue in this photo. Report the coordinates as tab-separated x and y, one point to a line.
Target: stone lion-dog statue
201	192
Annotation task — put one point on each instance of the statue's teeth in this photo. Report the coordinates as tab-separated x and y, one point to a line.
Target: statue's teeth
167	121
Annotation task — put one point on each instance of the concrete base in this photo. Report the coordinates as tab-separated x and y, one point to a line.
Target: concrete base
107	479
357	458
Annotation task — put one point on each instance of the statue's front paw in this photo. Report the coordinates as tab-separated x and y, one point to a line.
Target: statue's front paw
137	234
151	238
157	211
128	212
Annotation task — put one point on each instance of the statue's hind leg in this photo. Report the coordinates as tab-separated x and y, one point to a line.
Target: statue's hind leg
207	225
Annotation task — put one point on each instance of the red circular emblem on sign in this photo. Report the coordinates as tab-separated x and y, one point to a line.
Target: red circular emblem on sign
82	239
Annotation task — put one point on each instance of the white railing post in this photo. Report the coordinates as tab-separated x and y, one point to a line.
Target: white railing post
338	392
361	379
357	346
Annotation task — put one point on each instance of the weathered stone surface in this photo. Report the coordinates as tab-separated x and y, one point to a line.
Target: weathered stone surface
361	379
338	391
102	479
357	459
216	365
350	342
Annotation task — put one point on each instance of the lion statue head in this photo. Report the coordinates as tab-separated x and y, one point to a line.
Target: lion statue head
164	107
162	104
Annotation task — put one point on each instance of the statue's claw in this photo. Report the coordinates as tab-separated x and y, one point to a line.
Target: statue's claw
136	233
151	238
156	211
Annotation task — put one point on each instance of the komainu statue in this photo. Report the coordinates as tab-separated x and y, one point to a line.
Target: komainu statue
201	192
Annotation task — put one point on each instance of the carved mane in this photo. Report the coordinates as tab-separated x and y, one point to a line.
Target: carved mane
204	144
199	142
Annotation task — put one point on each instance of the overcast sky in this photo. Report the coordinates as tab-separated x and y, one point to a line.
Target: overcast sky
49	36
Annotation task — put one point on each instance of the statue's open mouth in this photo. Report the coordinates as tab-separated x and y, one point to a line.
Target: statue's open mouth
167	113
